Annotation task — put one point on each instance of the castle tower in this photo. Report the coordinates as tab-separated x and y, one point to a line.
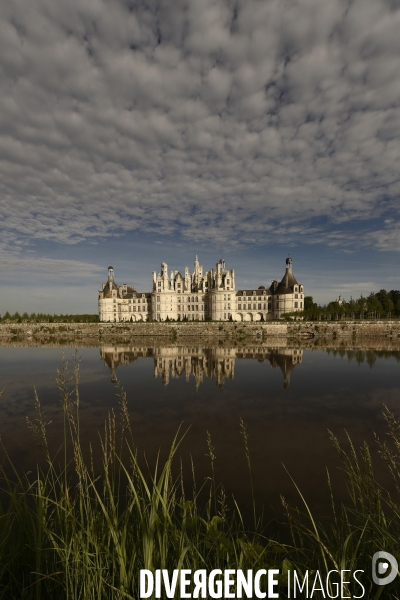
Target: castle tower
110	277
188	286
164	275
288	295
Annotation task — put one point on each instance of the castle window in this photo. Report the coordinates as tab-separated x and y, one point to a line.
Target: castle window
227	281
244	293
239	306
301	305
264	293
249	306
265	307
296	295
296	304
229	296
254	293
254	306
259	307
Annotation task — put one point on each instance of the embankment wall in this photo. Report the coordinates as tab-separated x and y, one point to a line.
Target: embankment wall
95	333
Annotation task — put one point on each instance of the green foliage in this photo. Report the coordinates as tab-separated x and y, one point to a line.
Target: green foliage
47	318
309	302
381	304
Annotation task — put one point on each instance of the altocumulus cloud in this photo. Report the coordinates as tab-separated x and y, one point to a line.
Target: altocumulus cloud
235	119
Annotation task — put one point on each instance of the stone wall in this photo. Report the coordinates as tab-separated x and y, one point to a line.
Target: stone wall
259	331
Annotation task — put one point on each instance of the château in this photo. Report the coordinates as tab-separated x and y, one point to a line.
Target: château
199	296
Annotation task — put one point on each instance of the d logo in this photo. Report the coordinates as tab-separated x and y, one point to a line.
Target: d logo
381	568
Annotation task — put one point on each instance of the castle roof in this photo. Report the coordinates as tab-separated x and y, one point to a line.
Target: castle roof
130	290
287	284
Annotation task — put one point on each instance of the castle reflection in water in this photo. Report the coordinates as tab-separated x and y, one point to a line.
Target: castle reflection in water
218	363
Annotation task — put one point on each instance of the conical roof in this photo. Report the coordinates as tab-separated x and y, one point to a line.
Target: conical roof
287	284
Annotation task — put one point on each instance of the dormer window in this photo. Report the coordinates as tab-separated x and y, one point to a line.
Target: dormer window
244	293
254	293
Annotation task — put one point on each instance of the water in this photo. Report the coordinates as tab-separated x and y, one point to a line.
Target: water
287	397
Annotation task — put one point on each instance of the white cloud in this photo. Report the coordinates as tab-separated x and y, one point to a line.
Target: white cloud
242	121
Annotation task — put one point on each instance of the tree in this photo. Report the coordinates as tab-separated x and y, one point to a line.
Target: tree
362	304
308	302
395	297
373	303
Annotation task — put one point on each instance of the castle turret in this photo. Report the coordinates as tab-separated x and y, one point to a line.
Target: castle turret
187	280
110	277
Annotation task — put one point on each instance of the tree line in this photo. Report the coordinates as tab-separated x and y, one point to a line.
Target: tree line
47	318
377	305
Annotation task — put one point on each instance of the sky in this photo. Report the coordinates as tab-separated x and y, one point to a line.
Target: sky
133	132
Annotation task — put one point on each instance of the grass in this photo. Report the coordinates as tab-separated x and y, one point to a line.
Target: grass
74	532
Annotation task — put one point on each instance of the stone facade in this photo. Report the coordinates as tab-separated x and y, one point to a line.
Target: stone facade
199	297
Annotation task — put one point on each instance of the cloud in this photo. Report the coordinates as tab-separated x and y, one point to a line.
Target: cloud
239	122
66	268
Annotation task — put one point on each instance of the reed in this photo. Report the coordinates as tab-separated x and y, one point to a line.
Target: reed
76	532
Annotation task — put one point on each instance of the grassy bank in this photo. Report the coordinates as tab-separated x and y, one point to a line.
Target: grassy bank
76	532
